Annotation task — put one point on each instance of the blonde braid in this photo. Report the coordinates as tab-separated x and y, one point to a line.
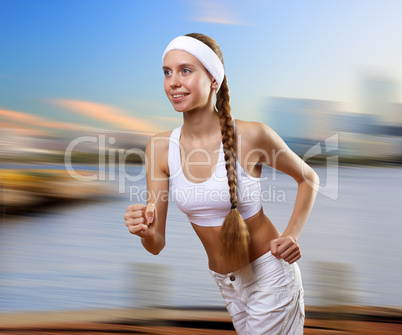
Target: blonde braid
234	235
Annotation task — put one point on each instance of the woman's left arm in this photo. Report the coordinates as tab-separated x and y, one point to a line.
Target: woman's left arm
278	155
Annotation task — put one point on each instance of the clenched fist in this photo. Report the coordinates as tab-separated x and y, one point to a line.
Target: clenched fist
140	220
286	247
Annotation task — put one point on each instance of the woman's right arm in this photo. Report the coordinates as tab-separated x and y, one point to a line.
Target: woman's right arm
149	222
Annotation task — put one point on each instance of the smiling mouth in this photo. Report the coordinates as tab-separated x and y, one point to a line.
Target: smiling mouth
179	95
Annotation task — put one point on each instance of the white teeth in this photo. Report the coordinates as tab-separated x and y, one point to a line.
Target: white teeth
178	95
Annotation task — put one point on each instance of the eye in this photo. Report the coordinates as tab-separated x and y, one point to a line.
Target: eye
167	72
186	70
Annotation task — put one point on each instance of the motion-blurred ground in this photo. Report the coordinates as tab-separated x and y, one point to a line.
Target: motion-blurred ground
340	320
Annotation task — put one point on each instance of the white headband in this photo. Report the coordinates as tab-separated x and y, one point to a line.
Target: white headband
202	52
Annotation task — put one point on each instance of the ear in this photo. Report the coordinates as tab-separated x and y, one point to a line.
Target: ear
214	84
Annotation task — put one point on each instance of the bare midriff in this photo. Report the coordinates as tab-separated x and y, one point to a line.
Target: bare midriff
261	230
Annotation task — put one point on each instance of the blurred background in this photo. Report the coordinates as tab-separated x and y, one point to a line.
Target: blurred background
81	92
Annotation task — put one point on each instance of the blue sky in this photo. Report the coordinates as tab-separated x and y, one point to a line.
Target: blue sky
59	58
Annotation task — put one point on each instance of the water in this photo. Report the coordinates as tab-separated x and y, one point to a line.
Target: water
82	256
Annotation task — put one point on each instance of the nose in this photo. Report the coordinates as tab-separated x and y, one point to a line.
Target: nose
175	80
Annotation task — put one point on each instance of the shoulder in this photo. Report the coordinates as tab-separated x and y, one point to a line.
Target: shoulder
254	133
157	150
160	141
263	145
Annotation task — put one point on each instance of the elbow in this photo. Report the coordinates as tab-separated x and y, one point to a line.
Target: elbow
157	250
315	179
310	177
153	248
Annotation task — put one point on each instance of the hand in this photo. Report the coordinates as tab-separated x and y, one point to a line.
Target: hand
286	247
140	220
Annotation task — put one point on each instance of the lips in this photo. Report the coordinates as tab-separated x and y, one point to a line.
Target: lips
179	96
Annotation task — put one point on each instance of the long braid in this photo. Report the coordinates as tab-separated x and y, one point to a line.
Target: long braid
227	129
234	235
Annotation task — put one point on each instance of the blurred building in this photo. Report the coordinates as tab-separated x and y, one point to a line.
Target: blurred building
397	114
303	123
378	97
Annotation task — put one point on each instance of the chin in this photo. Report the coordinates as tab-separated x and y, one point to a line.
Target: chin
180	109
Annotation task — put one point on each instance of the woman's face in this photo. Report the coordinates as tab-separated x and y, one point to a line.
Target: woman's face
188	85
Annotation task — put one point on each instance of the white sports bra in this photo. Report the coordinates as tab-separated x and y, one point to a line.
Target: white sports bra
207	203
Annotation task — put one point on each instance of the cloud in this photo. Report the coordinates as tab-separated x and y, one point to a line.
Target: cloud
18	118
108	114
20	130
215	12
168	121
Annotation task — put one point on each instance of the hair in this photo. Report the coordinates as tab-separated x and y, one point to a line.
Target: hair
234	236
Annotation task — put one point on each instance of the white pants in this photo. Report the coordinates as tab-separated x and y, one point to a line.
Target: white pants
269	301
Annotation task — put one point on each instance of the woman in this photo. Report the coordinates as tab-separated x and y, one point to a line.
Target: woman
214	164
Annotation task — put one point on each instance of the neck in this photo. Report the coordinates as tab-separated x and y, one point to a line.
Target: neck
201	124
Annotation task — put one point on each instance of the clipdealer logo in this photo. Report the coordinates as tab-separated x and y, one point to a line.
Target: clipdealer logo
330	189
201	193
120	155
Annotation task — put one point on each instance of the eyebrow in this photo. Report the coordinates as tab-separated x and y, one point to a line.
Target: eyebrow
180	65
